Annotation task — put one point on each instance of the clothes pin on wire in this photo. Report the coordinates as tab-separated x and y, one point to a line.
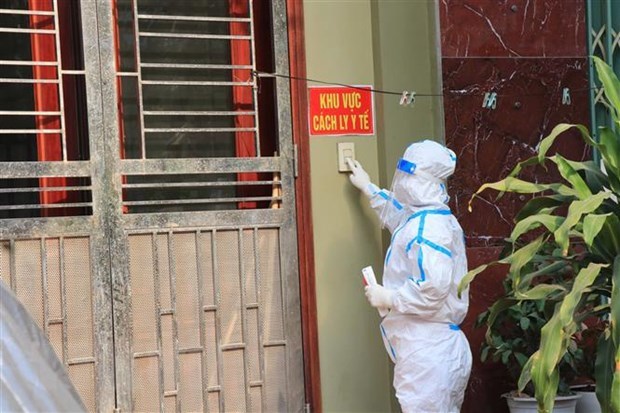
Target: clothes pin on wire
407	98
490	100
566	100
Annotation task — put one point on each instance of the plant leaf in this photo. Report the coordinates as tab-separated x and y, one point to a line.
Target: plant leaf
546	143
569	173
539	292
551	222
610	150
603	372
521	257
610	83
520	186
575	212
592	225
535	205
526	372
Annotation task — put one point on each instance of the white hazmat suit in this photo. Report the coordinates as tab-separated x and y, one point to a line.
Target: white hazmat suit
423	267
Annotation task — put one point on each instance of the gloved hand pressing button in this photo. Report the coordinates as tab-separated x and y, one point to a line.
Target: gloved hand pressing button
359	178
379	296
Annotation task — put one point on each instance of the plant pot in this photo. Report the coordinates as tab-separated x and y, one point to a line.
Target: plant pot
563	404
587	403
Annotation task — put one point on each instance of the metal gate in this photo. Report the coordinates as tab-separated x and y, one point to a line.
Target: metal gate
141	222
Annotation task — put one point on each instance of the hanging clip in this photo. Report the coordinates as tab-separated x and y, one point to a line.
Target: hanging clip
255	80
490	100
407	98
566	96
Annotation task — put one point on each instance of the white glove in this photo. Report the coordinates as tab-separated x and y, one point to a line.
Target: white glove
379	296
359	177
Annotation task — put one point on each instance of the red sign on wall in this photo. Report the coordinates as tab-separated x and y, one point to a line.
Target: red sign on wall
341	111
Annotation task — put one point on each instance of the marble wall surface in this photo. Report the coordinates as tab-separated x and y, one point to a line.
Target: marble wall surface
526	51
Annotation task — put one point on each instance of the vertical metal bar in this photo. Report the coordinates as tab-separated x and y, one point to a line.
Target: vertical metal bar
12	265
61	97
136	29
255	80
596	156
157	294
608	33
261	353
289	266
609	44
201	320
244	321
63	301
175	330
44	288
93	42
108	172
218	320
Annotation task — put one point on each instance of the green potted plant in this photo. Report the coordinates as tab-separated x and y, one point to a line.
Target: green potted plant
580	217
513	335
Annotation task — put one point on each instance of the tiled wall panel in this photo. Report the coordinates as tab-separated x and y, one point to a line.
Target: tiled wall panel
526	51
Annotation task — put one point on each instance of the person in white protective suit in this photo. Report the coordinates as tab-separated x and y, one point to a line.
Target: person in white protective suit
423	267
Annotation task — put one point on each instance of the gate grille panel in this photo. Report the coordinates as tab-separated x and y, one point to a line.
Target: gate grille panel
208	318
52	278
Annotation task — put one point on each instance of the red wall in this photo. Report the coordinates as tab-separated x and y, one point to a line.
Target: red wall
514	48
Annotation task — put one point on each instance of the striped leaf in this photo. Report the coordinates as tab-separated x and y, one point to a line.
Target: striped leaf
568	172
575	211
610	83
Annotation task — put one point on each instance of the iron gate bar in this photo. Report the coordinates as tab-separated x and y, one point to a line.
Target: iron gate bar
201	165
136	38
243	312
197	201
29	131
61	89
218	320
45	206
38	227
198	130
44	289
205	230
27	63
12	264
63	299
158	314
194	36
260	316
80	360
195	18
103	142
31	31
196	113
198	239
196	83
196	184
195	219
46	189
77	169
28	113
294	386
175	326
27	12
35	81
254	79
194	66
